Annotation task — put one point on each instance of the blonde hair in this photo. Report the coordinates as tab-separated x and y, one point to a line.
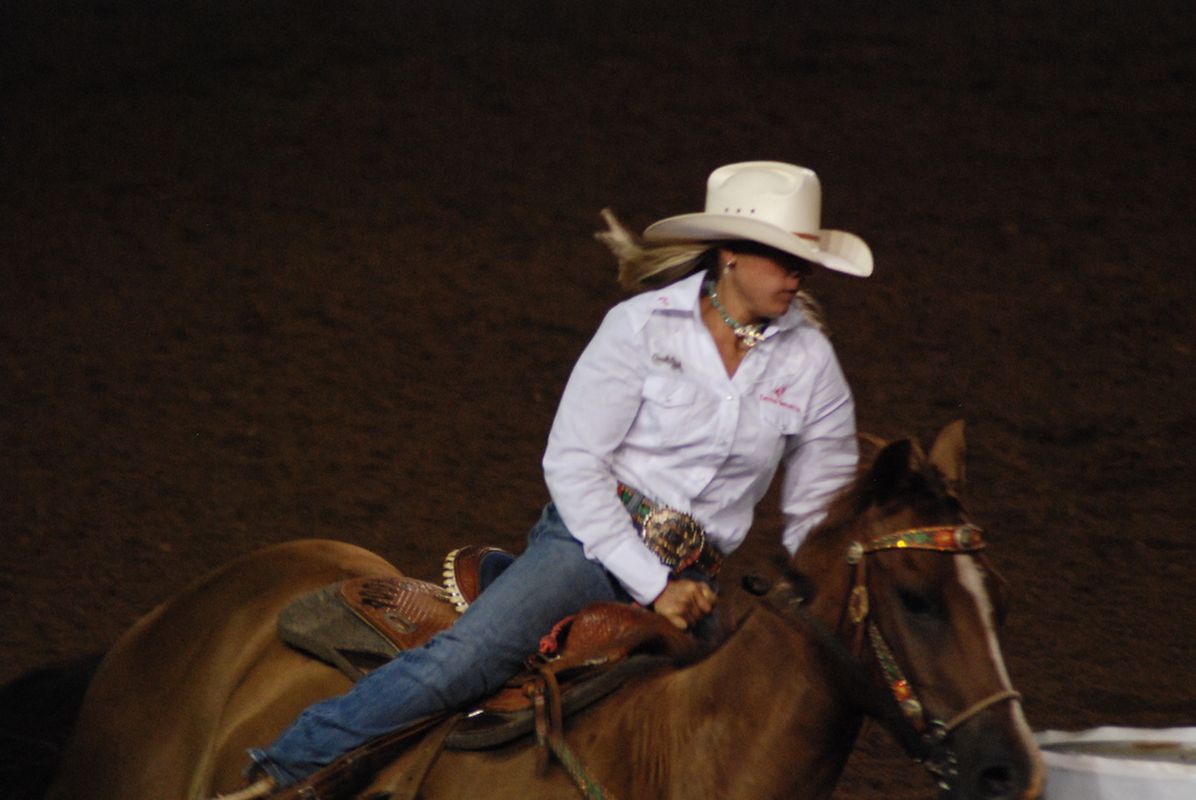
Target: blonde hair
650	266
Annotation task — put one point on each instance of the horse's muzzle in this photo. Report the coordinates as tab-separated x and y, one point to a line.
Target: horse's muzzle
995	758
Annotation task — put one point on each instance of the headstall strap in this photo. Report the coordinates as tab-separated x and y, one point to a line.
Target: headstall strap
899	685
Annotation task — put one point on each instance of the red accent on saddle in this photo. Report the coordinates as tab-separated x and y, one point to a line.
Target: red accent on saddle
550	643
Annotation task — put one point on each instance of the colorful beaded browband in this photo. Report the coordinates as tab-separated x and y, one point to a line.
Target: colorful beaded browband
944	539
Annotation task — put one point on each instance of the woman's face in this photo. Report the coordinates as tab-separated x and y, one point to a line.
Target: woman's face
762	283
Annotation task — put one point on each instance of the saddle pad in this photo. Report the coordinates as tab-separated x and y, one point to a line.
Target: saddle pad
320	624
360	624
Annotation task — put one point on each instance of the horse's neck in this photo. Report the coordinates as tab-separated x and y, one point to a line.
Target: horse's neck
757	718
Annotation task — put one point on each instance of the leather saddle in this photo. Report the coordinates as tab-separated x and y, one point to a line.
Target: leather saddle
360	624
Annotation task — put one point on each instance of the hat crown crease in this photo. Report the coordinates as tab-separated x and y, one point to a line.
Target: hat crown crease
780	194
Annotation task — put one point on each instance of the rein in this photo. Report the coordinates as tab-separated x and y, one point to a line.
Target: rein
923	738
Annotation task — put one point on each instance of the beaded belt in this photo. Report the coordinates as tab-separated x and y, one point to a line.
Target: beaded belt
677	539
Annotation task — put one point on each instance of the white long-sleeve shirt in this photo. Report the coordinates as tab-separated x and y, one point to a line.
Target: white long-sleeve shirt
649	403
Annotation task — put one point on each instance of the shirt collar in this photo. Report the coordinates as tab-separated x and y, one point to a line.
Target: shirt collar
680	296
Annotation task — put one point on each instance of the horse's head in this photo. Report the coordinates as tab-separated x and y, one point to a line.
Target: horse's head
905	594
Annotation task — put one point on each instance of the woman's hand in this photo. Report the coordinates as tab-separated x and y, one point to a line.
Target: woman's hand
684	602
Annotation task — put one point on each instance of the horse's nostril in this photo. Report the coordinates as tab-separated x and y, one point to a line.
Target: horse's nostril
996	782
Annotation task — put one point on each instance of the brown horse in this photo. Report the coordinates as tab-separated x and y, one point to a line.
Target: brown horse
898	622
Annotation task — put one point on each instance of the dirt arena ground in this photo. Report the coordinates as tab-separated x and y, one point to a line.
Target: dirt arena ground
293	269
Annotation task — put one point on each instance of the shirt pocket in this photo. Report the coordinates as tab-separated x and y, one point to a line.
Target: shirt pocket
777	421
780	406
780	420
670	408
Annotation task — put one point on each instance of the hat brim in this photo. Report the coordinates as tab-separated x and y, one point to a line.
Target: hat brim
837	250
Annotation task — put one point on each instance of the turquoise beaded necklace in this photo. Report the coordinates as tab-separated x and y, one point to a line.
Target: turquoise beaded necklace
751	335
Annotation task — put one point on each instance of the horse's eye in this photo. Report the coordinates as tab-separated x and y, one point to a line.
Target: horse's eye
920	605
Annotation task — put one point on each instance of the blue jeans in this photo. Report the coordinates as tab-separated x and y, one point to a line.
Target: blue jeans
485	647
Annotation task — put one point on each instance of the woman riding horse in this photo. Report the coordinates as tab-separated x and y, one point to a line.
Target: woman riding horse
892	614
671	427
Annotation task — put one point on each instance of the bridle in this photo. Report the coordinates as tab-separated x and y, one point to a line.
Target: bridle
926	738
946	539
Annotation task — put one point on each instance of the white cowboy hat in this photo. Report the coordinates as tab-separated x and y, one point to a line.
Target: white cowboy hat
772	203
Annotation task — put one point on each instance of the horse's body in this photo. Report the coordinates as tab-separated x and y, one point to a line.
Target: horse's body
203	677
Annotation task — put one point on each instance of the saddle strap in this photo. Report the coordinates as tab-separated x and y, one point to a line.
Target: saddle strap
550	736
403	778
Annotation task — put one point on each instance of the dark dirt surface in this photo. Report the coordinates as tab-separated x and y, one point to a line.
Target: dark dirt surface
275	270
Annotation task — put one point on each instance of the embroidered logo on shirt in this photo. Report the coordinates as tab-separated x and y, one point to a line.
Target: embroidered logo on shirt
668	359
776	397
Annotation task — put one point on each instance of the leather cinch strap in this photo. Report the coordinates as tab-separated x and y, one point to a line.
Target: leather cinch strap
550	735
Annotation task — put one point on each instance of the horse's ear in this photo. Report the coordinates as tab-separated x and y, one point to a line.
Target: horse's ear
891	470
947	455
870	445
